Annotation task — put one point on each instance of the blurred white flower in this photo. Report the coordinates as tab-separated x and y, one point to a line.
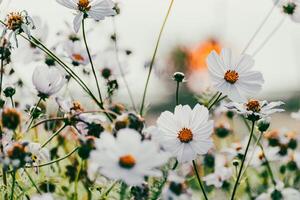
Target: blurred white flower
46	196
234	79
126	157
221	173
76	53
290	7
296	115
38	154
48	81
271	153
260	109
186	133
176	188
96	9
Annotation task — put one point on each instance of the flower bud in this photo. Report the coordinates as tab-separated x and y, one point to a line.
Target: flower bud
263	125
9	91
178	76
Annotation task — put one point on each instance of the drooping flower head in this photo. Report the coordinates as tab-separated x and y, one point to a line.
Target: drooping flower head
234	78
16	23
185	133
96	9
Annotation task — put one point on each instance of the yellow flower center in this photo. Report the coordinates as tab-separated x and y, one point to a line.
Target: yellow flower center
127	161
14	21
84	5
78	57
253	105
231	76
185	135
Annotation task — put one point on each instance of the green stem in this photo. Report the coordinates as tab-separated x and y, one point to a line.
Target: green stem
106	193
91	60
177	92
154	56
2	69
12	102
53	135
32	113
123	191
199	180
266	160
55	161
76	182
32	181
215	101
13	185
120	67
243	161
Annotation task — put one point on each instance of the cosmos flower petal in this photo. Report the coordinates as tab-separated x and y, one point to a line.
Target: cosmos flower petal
68	3
245	63
77	21
227	58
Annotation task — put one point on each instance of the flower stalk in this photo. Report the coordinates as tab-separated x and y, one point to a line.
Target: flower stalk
199	180
243	161
154	56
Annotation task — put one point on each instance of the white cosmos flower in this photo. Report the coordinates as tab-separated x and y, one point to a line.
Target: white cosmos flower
76	53
126	157
260	109
186	133
290	7
96	9
48	81
234	78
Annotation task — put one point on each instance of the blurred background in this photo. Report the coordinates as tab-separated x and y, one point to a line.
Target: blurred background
194	28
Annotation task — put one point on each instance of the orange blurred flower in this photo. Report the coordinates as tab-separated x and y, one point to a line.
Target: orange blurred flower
197	57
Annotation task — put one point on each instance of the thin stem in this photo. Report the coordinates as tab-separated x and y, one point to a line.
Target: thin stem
154	56
215	101
53	135
266	160
76	182
199	180
253	152
212	98
32	113
268	37
177	92
259	28
13	185
243	161
2	69
106	193
48	120
12	102
32	181
120	66
91	60
123	191
55	161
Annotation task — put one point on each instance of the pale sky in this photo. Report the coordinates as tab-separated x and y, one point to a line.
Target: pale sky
191	21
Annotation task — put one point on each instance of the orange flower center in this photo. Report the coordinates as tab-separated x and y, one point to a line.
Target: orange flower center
127	161
261	155
84	5
231	76
14	21
77	57
253	105
185	135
